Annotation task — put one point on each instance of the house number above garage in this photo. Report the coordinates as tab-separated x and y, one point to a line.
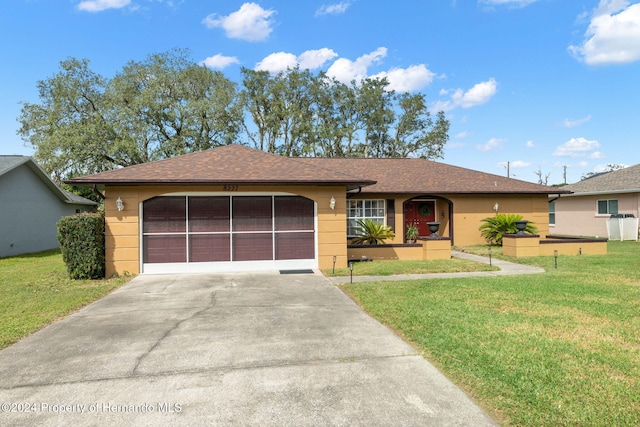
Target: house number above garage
230	187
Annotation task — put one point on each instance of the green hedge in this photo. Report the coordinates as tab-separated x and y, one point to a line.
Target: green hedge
81	240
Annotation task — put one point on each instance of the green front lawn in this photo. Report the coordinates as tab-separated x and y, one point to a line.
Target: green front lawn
36	291
559	348
387	268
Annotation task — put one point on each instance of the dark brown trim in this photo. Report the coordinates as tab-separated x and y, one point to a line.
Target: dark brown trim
386	245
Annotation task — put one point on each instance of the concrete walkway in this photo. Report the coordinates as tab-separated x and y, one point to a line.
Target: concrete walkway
225	350
506	269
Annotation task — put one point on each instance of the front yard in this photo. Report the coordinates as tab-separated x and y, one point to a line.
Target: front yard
36	291
559	348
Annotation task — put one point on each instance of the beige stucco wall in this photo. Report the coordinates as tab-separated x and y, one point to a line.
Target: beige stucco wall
578	215
123	228
122	236
468	212
442	212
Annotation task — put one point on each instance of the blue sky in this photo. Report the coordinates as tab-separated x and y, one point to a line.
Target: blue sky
543	85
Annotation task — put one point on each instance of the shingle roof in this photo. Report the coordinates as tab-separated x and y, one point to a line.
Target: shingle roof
625	180
235	164
230	164
9	163
420	175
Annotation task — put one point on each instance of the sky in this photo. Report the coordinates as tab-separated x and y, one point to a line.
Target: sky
534	89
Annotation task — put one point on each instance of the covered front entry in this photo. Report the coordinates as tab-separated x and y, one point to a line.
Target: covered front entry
223	233
420	212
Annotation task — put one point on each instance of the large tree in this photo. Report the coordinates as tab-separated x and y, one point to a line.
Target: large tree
157	108
168	105
295	113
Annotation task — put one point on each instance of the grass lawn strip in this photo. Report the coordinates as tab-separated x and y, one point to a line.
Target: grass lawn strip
388	268
560	348
36	291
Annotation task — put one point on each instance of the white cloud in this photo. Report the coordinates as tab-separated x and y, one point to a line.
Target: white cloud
251	22
219	61
573	123
607	168
597	155
613	36
516	3
479	94
333	9
345	70
276	62
492	144
100	5
519	164
576	147
310	59
407	79
462	134
529	144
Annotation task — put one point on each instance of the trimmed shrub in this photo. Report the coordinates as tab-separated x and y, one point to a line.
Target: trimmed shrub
493	228
81	240
372	233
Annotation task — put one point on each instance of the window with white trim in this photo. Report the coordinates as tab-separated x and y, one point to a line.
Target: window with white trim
364	209
607	207
552	212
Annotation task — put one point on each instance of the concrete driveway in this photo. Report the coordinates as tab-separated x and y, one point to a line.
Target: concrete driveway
243	349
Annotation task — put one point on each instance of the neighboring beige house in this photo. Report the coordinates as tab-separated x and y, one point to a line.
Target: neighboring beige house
588	209
234	208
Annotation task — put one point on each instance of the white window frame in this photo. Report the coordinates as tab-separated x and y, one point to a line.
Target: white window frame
608	202
359	209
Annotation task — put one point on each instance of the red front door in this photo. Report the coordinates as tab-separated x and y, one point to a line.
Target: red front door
420	212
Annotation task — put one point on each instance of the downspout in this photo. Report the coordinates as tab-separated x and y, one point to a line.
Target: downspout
97	192
354	194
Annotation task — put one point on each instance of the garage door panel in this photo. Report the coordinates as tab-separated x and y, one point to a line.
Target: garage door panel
209	214
252	214
164	215
160	249
209	247
293	213
252	247
295	246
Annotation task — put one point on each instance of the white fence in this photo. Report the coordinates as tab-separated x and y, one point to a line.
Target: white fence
622	228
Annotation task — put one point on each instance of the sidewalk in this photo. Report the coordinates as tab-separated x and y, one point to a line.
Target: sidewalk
506	269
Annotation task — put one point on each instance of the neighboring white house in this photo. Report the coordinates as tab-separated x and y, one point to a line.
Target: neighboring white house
588	210
30	207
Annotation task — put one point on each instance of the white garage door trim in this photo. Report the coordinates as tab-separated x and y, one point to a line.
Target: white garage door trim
228	266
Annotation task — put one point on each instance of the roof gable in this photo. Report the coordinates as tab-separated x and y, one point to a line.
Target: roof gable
625	180
9	163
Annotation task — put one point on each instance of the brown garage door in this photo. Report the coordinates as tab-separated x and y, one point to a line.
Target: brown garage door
227	229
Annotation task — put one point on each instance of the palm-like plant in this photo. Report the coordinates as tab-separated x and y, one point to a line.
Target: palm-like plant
494	227
372	233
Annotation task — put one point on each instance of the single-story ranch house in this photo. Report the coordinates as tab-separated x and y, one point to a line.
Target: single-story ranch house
587	207
234	208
